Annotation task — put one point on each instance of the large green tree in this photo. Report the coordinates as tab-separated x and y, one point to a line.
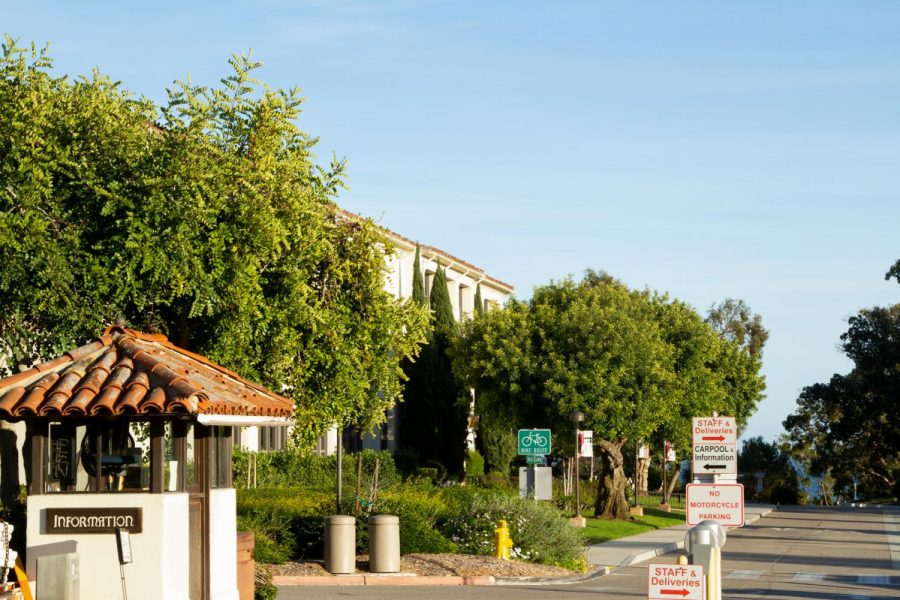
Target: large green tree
848	427
633	361
713	372
781	482
206	219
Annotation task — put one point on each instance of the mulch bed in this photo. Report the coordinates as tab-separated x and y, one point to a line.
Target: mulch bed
466	565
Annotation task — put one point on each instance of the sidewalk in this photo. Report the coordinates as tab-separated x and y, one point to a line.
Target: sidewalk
644	546
602	559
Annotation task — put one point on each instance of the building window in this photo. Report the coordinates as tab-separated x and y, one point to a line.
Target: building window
464	301
272	438
429	279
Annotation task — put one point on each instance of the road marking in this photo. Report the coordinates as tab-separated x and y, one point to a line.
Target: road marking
809	576
891	521
743	574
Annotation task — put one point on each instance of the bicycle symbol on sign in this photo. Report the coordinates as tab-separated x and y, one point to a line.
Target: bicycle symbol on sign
536	439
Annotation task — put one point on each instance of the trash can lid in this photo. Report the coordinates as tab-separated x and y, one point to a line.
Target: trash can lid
384	520
340	520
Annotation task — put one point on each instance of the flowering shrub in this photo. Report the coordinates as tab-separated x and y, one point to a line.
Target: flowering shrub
539	533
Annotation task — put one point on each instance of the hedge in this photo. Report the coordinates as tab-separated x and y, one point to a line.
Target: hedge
292	468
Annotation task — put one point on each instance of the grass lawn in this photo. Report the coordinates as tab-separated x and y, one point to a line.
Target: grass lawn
602	531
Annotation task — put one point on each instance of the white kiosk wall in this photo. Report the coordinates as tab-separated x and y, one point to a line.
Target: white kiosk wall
222	544
160	552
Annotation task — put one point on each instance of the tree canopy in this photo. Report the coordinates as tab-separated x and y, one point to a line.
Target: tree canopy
629	359
206	219
734	321
638	364
848	427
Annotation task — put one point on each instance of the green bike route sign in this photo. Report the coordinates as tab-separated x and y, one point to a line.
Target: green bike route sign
534	442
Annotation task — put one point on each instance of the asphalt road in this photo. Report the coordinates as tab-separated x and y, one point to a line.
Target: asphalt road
794	553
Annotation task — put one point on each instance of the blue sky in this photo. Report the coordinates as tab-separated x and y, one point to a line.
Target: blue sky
707	149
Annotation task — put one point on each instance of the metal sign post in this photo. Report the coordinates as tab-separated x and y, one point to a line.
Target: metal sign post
665	582
123	545
722	502
714	449
534	445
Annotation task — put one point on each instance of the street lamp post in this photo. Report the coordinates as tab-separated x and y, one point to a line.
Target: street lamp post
340	474
577	417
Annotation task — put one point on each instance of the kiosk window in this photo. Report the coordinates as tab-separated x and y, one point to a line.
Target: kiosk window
108	456
220	457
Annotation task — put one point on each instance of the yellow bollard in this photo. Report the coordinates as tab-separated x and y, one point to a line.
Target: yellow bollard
715	576
504	543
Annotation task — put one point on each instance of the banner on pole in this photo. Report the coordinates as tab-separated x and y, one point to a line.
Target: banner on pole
586	443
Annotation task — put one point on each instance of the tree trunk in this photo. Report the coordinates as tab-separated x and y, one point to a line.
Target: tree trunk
611	502
673	480
643	475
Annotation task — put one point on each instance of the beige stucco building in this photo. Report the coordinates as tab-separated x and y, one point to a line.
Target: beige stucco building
463	278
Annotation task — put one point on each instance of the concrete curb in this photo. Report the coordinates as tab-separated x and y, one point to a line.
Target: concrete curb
595	574
758	516
381	580
632	559
409	579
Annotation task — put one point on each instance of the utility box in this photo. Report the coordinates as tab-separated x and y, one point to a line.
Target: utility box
536	482
58	577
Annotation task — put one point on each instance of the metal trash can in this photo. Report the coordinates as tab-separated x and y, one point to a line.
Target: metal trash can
384	544
340	544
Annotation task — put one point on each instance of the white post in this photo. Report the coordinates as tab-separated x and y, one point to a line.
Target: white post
704	542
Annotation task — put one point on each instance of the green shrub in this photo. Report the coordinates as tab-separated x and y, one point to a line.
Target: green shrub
275	544
539	533
291	522
263	589
292	468
566	503
266	591
439	469
429	474
496	480
474	464
500	447
419	508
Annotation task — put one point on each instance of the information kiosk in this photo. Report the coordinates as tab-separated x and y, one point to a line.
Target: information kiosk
130	438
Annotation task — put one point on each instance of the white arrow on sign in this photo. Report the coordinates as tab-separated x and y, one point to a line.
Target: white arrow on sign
722	502
665	582
714	458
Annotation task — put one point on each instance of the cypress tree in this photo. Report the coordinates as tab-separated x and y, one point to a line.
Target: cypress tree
434	415
441	306
418	282
479	303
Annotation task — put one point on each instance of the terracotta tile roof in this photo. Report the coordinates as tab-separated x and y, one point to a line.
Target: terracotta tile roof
126	372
